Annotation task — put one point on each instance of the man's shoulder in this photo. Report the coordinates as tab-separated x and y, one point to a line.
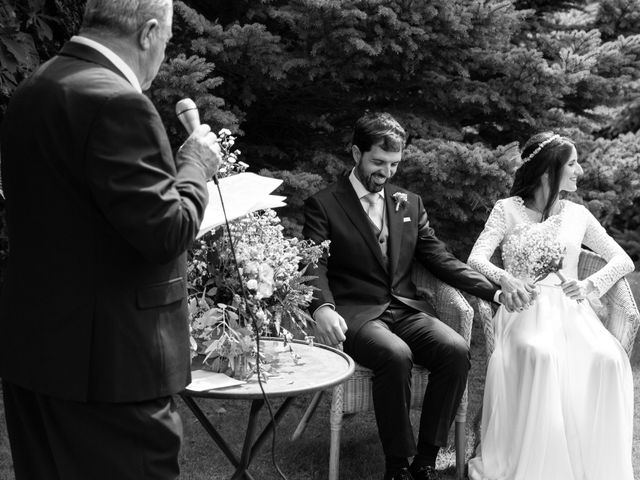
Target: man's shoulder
77	78
393	189
329	190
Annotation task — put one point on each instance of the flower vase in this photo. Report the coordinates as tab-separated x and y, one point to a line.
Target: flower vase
235	367
240	368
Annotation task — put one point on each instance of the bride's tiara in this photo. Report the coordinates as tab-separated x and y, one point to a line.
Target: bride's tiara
540	147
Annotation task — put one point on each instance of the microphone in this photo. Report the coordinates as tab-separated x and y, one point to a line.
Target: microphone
187	113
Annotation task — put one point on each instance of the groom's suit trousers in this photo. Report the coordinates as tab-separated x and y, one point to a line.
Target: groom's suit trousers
390	345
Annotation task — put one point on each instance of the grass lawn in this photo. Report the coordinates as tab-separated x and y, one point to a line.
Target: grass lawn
307	459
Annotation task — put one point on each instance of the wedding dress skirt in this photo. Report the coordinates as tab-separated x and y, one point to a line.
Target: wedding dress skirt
558	400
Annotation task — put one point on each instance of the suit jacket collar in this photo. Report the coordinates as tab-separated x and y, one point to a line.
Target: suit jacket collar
395	221
349	201
88	54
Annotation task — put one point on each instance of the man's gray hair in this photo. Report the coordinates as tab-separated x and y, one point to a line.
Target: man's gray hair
123	16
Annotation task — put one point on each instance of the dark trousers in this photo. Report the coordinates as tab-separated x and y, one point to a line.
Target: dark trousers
389	346
55	439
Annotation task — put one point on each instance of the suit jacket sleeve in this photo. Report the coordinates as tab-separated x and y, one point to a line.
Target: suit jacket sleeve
433	254
316	228
152	203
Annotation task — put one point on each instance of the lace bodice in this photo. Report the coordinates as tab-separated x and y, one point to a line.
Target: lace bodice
524	241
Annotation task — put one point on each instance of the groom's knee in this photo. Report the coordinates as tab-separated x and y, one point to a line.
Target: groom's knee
459	357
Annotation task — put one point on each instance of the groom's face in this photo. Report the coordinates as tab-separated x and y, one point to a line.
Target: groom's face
375	167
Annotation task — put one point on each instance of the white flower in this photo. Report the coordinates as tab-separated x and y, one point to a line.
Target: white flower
401	200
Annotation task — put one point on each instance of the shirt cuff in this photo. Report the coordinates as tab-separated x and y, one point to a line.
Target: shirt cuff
496	297
333	307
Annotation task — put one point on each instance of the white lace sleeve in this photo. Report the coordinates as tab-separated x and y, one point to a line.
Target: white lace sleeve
618	262
490	238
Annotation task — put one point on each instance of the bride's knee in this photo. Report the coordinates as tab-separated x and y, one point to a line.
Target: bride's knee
537	352
608	361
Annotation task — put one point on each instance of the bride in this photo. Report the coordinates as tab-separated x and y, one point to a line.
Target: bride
558	400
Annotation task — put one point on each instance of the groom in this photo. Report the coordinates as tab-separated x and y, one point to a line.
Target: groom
366	298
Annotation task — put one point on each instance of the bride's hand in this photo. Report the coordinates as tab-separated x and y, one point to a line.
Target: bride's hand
577	289
517	295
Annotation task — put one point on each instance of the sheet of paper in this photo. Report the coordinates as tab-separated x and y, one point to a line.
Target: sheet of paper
203	380
242	194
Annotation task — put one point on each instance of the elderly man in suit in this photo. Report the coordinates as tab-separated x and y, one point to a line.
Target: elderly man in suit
93	319
366	298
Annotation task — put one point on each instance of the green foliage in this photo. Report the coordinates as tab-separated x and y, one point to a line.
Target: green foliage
31	31
182	77
611	186
618	17
461	182
467	78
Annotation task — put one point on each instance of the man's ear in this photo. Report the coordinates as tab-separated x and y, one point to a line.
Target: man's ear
356	153
148	30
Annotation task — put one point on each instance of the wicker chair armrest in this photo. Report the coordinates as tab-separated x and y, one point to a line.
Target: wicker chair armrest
619	312
623	318
450	305
485	317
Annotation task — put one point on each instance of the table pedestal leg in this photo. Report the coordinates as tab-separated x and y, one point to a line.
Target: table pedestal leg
245	456
213	433
249	447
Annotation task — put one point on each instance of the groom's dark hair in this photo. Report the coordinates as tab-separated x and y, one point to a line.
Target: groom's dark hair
374	127
550	159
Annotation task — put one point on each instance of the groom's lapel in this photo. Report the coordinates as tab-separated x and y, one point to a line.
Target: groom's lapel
350	203
395	221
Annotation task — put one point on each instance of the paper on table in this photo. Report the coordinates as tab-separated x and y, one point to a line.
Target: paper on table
242	193
202	380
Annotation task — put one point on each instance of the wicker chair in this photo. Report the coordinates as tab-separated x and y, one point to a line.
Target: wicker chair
355	396
619	312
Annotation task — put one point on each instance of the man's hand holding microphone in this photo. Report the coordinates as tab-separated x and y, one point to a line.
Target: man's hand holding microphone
202	146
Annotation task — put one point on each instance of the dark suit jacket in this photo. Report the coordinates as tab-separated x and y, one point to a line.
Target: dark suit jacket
99	217
354	276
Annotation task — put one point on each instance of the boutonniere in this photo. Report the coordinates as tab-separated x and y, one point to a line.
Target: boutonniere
401	200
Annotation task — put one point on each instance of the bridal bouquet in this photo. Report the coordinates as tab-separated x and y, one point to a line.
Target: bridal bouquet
535	253
548	261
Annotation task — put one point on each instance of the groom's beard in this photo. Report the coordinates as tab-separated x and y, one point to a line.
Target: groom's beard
373	182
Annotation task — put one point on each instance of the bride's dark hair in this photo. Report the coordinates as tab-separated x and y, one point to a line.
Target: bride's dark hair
550	159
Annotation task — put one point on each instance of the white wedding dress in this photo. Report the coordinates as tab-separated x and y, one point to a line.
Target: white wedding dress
558	400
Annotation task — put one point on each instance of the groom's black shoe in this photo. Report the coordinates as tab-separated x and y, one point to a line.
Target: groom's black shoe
424	473
398	474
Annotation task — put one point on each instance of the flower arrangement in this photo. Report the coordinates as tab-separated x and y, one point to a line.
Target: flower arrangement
401	199
250	283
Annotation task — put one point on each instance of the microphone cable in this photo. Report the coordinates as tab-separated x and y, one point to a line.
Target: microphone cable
254	324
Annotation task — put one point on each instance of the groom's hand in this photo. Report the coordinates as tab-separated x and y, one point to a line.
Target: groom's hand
330	326
516	295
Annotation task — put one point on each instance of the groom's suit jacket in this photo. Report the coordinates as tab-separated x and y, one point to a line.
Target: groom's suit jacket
354	276
99	217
